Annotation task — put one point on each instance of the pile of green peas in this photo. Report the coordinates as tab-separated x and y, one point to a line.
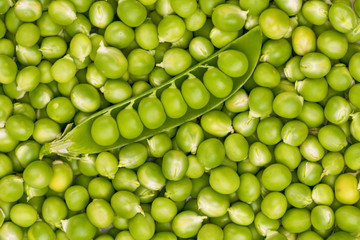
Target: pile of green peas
279	159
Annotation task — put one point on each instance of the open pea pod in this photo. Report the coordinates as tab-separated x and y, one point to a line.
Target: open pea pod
79	141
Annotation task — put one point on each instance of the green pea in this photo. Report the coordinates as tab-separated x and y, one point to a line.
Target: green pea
125	179
274	205
187	224
104	130
342	17
239	60
218	83
7	143
249	189
12	22
175	61
312	90
303	40
62	177
129	123
276	177
200	48
272	78
27	152
110	61
224	180
332	138
163	210
259	154
333	44
323	194
236	147
228	17
241	213
216	123
294	132
315	12
151	112
41	230
119	35
171	28
347	218
178	190
268	130
45	72
195	169
234	231
189	136
290	7
46	130
274	23
146	195
85	98
238	102
173	102
11	230
337	110
150	175
339	78
22	214
28	11
354	60
260	102
62	12
100	213
106	164
299	195
211	153
12	188
101	14
159	144
315	65
346	189
7	47
208	6
139	87
296	220
312	114
47	26
195	93
38	174
263	224
174	165
309	173
146	36
210	231
184	9
79	227
76	198
211	203
6	166
5	5
54	210
276	52
100	187
125	204
28	55
64	69
19	127
158	76
8	69
220	38
27	35
196	21
288	155
131	13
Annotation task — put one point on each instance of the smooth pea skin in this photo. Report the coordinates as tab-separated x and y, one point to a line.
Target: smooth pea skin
260	102
296	220
219	84
188	137
239	62
274	205
133	155
76	198
346	189
41	230
173	102
274	23
100	213
8	69
151	112
224	180
195	93
104	130
212	203
315	65
315	12
333	44
187	224
79	227
322	217
276	177
129	123
347	218
211	153
210	231
234	231
174	165
150	175
311	149
249	189
24	215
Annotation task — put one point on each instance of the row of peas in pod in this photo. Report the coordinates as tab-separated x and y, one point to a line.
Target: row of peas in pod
278	160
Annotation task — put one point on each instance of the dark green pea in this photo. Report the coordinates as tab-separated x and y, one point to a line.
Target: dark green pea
28	11
195	93
54	210
268	130
260	102
312	90
150	175
315	65
221	38
323	194
23	215
62	12
173	102
211	203
125	179
211	153
216	123
62	178
263	224
309	173
76	198
151	112
79	227
174	165
342	17
175	61
259	154
332	138
27	35
110	61
178	190
298	195
104	130
131	13
129	123
294	133
12	188
276	177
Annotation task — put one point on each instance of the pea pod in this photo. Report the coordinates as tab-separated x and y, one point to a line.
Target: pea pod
79	140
